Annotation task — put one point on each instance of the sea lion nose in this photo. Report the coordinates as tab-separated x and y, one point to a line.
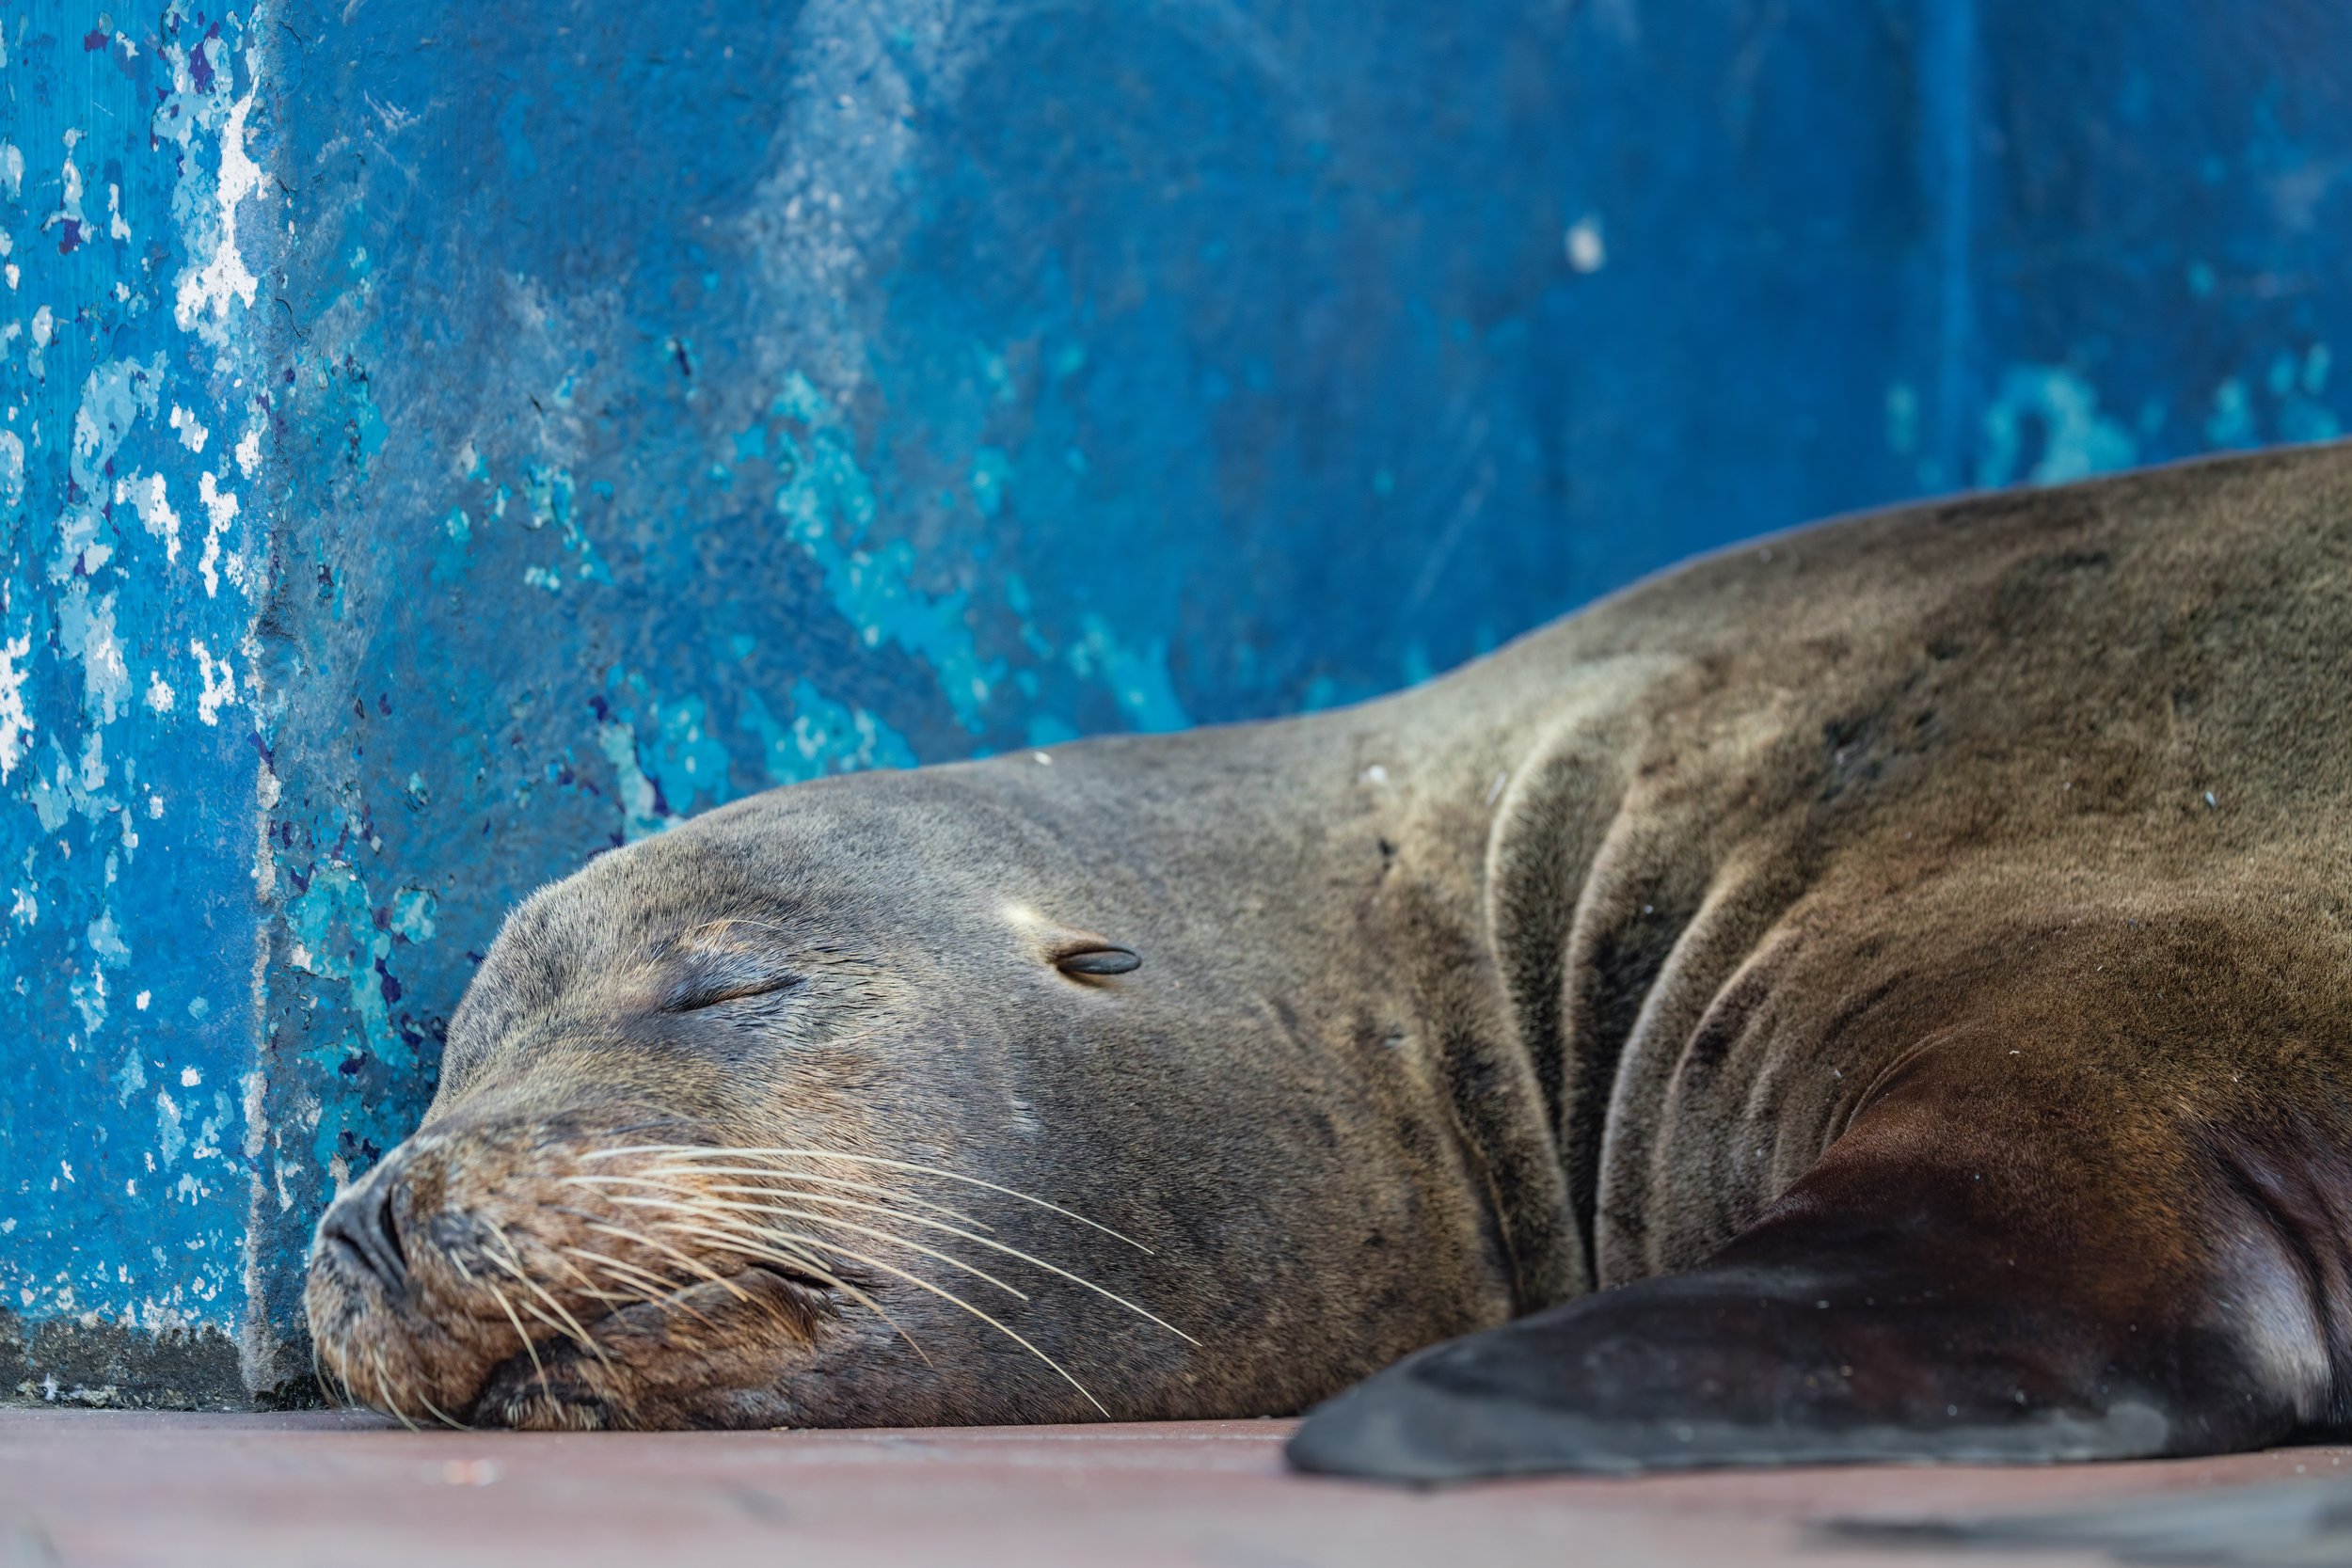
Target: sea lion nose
362	1221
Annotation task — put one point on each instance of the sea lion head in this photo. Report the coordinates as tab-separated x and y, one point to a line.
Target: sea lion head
867	1101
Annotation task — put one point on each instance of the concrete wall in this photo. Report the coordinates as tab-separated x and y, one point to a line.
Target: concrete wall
441	440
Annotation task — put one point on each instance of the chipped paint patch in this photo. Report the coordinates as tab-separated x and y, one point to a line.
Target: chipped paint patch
2077	440
216	276
824	736
16	725
107	402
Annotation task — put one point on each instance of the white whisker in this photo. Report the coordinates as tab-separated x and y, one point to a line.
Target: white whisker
529	1349
701	1171
738	1244
982	1241
642	1240
384	1388
512	1264
666	1292
705	1207
692	1151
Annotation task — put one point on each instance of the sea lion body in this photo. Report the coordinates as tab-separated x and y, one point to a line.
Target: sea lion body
1885	991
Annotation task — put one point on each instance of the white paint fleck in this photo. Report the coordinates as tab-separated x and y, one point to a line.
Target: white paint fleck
145	495
16	725
170	1139
249	452
159	700
202	305
220	510
142	998
220	682
1586	251
45	333
190	1077
106	940
13	170
68	185
191	432
11	469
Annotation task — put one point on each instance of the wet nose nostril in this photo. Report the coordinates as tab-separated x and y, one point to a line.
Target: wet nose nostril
387	1228
363	1221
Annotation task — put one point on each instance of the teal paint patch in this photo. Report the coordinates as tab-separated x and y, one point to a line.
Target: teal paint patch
689	762
2232	423
825	737
413	914
1138	677
665	760
641	813
2076	440
2285	404
337	933
828	508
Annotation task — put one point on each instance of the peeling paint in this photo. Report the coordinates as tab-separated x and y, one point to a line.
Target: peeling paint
106	400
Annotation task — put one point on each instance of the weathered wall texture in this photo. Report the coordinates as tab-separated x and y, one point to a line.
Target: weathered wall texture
441	440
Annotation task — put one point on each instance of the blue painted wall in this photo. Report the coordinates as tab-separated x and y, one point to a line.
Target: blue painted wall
439	440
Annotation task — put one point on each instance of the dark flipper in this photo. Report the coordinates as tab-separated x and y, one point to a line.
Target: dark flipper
1963	1277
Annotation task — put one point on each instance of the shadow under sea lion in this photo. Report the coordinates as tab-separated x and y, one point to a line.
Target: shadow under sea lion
1884	993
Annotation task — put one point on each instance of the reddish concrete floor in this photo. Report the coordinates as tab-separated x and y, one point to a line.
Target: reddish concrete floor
323	1491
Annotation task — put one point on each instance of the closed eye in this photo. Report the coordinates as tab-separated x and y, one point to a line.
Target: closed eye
711	978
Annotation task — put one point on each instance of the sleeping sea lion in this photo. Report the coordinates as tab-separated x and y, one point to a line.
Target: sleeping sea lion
1884	992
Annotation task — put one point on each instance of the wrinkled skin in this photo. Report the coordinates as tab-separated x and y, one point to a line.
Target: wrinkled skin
1885	994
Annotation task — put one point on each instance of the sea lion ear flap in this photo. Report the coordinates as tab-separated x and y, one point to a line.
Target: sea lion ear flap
1093	959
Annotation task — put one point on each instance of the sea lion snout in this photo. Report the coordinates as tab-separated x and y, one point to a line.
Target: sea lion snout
544	1273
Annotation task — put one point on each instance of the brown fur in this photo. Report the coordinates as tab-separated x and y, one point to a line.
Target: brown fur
1977	872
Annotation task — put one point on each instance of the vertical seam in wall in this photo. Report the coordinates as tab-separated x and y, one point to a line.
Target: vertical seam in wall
1947	71
262	1356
